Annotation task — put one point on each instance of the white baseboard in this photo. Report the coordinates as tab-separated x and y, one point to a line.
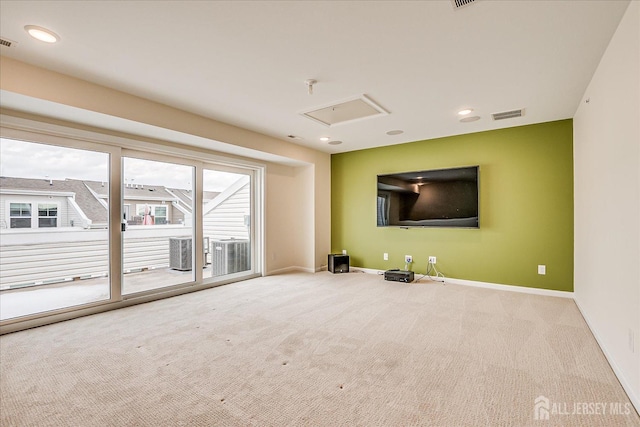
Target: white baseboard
634	398
511	288
500	287
367	270
289	270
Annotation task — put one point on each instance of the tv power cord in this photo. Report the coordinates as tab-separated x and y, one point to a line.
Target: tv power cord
433	274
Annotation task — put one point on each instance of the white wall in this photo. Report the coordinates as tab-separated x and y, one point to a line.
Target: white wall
56	89
289	217
607	202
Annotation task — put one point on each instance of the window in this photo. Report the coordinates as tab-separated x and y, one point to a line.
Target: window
47	215
20	215
152	214
160	214
48	265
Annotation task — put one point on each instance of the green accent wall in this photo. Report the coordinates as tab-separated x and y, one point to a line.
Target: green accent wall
526	207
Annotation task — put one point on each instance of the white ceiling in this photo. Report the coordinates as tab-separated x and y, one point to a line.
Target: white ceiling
245	63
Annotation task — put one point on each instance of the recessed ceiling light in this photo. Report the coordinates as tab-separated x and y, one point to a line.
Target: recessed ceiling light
395	132
465	111
42	34
324	138
469	119
334	142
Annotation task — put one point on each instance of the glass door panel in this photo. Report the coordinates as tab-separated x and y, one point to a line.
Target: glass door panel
158	212
226	222
54	231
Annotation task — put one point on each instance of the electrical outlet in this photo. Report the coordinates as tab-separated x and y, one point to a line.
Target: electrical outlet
344	252
542	269
432	260
385	256
408	258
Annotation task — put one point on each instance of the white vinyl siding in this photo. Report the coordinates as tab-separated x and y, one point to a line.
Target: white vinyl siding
31	257
57	204
227	220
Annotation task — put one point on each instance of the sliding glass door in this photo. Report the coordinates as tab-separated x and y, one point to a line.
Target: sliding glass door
226	221
157	215
54	228
83	224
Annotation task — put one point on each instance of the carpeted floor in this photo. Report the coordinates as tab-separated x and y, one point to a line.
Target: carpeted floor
316	350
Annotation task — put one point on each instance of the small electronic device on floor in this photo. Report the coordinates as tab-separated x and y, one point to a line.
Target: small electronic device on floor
397	275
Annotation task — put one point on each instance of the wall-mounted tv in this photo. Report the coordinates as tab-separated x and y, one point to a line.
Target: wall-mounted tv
429	198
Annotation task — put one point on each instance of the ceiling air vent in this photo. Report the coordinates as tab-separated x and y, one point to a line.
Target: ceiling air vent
508	114
353	109
457	4
6	42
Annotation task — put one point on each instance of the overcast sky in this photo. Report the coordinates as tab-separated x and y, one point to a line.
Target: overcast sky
29	160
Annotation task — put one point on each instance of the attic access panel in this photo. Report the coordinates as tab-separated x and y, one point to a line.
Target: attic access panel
347	111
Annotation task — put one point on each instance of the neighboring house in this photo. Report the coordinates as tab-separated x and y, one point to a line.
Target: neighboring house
78	211
44	203
227	216
163	205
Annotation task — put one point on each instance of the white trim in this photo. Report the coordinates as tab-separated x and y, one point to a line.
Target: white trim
84	217
98	197
180	208
151	198
176	203
635	399
367	270
289	270
19	192
511	288
496	286
228	192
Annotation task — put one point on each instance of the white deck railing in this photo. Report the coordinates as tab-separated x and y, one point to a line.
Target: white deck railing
32	257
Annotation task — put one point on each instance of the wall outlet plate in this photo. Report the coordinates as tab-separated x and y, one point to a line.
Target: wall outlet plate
542	269
432	260
408	258
385	256
344	252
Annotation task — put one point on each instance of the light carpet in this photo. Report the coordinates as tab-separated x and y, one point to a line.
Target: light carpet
316	350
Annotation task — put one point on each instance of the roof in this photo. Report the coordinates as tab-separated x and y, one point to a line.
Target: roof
89	203
91	207
137	192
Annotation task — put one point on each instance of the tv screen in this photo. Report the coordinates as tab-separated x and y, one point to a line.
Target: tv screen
429	198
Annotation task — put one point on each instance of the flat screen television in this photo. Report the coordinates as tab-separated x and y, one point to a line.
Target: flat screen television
429	198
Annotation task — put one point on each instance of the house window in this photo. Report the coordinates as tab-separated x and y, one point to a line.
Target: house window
47	215
160	213
20	215
152	214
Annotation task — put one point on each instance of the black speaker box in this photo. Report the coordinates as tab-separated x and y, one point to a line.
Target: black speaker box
338	263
